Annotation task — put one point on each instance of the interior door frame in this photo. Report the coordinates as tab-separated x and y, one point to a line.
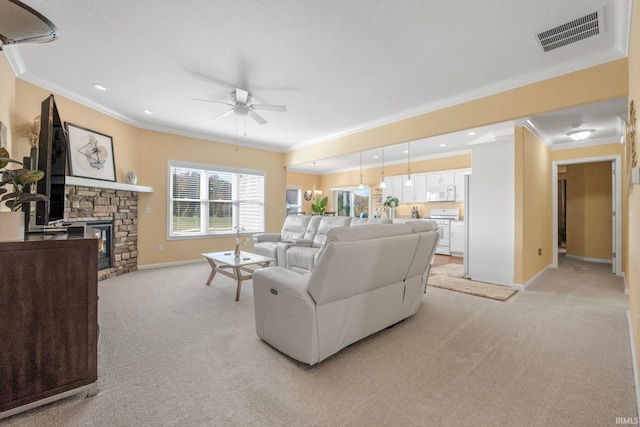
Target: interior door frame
617	203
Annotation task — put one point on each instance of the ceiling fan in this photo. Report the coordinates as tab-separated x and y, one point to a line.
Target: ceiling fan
241	105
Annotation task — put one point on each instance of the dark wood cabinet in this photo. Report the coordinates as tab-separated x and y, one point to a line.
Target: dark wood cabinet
48	320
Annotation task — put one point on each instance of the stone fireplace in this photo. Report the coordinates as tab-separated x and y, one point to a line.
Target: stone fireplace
117	207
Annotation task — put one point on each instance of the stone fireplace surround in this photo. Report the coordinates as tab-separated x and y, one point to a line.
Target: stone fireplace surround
85	204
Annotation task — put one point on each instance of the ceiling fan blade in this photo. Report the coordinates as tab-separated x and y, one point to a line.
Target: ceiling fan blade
225	114
268	107
257	117
242	96
211	100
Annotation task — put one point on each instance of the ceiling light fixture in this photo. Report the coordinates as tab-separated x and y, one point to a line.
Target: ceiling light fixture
409	183
471	133
100	87
443	145
361	186
382	183
579	135
147	111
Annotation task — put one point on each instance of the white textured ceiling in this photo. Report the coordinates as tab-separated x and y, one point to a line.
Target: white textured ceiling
339	66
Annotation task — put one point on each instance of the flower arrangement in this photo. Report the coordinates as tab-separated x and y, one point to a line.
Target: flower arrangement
239	241
391	202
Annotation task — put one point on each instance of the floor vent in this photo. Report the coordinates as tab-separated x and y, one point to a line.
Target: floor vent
571	32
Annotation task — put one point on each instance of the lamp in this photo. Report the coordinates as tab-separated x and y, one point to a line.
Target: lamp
313	193
361	186
382	183
408	183
579	135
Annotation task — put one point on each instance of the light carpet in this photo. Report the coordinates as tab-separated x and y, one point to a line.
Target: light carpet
486	290
451	270
174	352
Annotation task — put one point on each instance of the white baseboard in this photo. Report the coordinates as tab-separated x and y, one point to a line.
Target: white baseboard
634	361
598	260
170	264
531	281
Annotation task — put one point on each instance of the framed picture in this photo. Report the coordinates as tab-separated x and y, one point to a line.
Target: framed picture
90	154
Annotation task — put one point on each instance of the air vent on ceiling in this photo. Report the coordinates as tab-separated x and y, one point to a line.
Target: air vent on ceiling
571	32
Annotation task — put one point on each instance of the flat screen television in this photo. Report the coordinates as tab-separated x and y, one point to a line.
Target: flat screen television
52	159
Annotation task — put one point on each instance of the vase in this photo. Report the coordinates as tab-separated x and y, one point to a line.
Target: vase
236	252
392	213
11	226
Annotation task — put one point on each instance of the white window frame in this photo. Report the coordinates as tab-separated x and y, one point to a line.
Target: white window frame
203	167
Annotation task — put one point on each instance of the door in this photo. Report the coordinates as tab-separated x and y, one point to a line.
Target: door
353	202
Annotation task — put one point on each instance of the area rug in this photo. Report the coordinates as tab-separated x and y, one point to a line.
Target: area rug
451	270
486	290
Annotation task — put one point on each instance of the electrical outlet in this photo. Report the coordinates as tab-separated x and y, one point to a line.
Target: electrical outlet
160	248
147	211
539	251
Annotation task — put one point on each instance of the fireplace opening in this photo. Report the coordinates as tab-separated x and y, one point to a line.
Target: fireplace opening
105	243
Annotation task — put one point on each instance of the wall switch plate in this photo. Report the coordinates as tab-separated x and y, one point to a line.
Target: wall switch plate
147	210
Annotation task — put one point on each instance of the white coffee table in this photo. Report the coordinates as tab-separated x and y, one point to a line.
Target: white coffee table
231	266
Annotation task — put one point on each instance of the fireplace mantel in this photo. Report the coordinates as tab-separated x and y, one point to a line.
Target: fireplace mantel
97	183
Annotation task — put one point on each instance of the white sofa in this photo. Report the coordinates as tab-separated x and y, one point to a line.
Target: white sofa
366	279
297	245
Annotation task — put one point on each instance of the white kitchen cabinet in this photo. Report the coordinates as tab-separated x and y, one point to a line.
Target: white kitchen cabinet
394	188
457	238
459	182
436	179
417	193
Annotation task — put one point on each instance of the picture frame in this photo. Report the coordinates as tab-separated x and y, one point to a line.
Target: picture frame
90	153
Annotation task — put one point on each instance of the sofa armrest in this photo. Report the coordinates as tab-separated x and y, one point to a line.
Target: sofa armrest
266	237
282	280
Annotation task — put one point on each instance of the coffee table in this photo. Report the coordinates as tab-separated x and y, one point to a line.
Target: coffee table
231	266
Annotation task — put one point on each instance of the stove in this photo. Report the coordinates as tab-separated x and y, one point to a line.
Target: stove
443	218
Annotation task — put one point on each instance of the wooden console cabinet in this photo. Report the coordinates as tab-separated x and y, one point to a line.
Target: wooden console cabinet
48	320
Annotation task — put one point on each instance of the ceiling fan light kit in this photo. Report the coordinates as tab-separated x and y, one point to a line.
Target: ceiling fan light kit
241	105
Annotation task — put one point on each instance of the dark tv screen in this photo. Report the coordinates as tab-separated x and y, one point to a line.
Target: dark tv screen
52	159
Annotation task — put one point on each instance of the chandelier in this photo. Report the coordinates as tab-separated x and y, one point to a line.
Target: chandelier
313	193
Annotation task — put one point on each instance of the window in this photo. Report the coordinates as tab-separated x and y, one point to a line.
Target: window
294	200
352	202
206	200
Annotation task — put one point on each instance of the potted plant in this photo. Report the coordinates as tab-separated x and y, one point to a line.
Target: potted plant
391	203
320	206
12	222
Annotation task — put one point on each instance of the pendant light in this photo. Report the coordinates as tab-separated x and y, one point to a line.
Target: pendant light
361	186
409	183
382	183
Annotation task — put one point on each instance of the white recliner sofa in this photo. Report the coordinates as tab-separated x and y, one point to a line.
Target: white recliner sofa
297	245
366	279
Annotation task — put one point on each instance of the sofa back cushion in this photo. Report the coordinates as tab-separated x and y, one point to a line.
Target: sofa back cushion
326	224
294	228
312	228
369	221
356	260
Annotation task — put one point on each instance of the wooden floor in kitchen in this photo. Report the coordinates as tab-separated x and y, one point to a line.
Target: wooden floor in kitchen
446	259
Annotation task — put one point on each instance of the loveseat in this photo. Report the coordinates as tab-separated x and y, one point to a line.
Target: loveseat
366	279
297	245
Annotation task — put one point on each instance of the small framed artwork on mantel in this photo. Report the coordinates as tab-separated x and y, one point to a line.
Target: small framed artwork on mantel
90	154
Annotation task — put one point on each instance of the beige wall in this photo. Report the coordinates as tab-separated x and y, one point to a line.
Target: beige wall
632	237
533	211
147	153
606	81
589	221
156	149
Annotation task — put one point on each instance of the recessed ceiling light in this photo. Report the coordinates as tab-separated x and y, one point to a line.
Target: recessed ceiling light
471	133
376	157
406	151
147	111
443	145
579	135
100	87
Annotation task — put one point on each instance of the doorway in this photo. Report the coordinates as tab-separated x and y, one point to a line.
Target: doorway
615	206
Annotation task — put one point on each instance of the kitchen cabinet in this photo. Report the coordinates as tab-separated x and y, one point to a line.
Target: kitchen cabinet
436	179
417	193
457	238
394	188
459	183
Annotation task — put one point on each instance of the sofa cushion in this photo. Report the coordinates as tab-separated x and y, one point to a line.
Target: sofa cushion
327	223
294	227
369	221
301	258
